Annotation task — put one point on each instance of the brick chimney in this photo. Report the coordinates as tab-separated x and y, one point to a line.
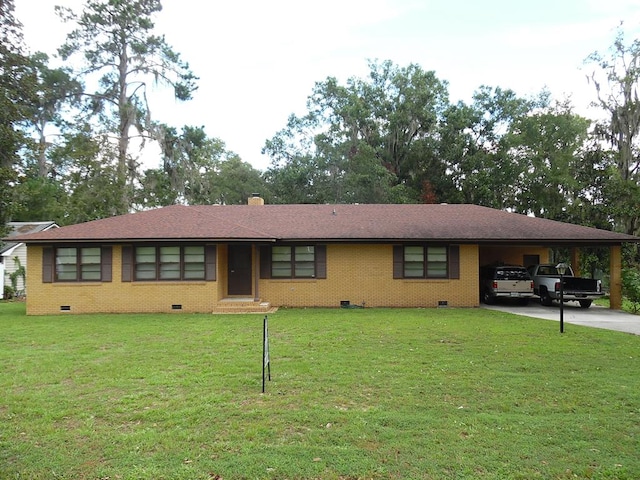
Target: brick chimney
256	199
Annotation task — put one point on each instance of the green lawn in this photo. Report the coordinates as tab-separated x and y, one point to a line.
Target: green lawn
370	393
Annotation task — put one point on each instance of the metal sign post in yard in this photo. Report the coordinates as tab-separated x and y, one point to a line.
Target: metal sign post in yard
266	363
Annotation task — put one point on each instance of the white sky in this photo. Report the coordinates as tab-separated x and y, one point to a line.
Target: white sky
258	60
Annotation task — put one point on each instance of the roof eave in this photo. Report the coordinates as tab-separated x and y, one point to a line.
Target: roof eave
146	240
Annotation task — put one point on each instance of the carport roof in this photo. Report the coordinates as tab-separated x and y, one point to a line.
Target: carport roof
462	223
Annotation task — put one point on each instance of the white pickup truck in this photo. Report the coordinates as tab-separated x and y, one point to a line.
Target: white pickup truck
546	284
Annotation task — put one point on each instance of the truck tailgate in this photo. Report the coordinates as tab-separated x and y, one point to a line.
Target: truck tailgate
580	284
515	288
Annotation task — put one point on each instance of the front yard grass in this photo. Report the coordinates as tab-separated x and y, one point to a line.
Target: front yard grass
371	393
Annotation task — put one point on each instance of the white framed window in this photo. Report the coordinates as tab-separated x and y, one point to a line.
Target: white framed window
78	264
169	262
293	261
421	261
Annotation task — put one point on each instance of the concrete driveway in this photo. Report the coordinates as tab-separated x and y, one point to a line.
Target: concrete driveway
595	316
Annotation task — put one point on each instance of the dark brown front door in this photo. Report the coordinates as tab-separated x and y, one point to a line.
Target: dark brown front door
239	270
530	260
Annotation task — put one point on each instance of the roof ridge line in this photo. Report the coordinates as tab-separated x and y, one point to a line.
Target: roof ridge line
227	221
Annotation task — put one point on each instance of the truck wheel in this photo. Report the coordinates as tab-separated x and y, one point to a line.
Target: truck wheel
585	303
545	298
488	298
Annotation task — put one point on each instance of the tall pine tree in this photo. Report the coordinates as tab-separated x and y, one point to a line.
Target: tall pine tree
122	57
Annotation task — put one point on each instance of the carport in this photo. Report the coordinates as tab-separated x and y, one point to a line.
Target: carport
526	253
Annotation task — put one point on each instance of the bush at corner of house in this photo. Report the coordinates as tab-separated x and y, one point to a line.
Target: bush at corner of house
631	287
9	292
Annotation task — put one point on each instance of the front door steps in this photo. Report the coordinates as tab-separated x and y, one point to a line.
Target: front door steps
243	305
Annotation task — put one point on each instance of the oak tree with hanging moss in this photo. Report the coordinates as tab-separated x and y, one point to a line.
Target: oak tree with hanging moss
616	78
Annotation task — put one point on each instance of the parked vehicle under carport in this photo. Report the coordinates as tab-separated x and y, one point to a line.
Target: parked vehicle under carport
546	280
505	282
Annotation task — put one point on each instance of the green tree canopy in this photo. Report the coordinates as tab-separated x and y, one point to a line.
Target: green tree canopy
548	145
357	140
122	57
197	170
617	81
56	93
475	146
16	90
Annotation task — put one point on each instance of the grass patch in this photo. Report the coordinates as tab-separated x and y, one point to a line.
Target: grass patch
373	393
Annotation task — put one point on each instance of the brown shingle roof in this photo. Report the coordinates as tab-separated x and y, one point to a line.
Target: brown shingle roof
448	223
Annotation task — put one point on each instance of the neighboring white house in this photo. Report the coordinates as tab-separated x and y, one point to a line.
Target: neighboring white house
14	255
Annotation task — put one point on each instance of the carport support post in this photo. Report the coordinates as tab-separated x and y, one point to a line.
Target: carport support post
615	278
575	261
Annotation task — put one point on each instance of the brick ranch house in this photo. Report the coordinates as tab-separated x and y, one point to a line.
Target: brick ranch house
255	257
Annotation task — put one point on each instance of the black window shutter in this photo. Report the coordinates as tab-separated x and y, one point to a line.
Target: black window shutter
321	261
47	264
454	261
398	261
265	261
105	264
210	262
127	262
